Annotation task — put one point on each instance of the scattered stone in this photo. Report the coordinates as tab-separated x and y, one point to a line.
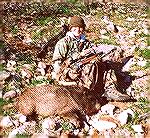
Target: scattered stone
6	122
26	73
142	63
133	33
10	94
41	65
106	19
41	77
76	132
20	130
129	19
123	116
16	123
47	125
137	128
27	66
140	135
41	70
108	109
11	63
104	37
103	31
101	125
4	75
22	119
140	73
128	65
122	133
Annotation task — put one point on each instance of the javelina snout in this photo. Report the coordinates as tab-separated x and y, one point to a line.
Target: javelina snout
49	100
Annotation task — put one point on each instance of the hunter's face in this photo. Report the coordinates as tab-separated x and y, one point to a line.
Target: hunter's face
77	31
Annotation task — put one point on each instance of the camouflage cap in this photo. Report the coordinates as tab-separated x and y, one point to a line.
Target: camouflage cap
77	21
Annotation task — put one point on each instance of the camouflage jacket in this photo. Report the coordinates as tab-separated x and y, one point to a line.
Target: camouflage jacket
68	48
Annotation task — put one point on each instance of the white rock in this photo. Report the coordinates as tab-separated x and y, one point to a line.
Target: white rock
19	130
132	33
48	124
41	65
142	63
22	119
123	116
1	93
140	73
140	135
41	77
103	31
42	71
101	125
76	132
108	109
11	63
27	66
137	128
27	40
130	19
6	122
24	73
106	19
105	37
110	26
4	75
9	94
16	123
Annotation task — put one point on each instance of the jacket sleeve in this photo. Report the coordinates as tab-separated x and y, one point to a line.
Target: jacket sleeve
60	51
59	55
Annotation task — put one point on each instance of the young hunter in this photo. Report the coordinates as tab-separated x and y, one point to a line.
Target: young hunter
74	46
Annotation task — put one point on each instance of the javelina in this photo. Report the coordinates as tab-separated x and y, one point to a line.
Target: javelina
49	100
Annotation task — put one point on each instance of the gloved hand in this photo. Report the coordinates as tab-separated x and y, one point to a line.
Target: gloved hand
73	74
76	67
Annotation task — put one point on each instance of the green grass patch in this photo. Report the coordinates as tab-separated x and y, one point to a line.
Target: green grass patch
145	53
35	82
71	1
105	41
2	67
22	136
14	29
5	102
2	45
147	65
62	9
44	21
66	126
25	58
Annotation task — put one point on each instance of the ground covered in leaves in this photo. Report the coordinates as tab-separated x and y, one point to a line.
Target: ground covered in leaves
28	27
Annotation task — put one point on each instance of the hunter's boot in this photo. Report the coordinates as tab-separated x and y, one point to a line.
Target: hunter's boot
112	94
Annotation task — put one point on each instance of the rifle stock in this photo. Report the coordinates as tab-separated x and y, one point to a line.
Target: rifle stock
90	57
52	42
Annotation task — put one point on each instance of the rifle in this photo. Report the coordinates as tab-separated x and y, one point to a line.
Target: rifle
52	42
89	57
